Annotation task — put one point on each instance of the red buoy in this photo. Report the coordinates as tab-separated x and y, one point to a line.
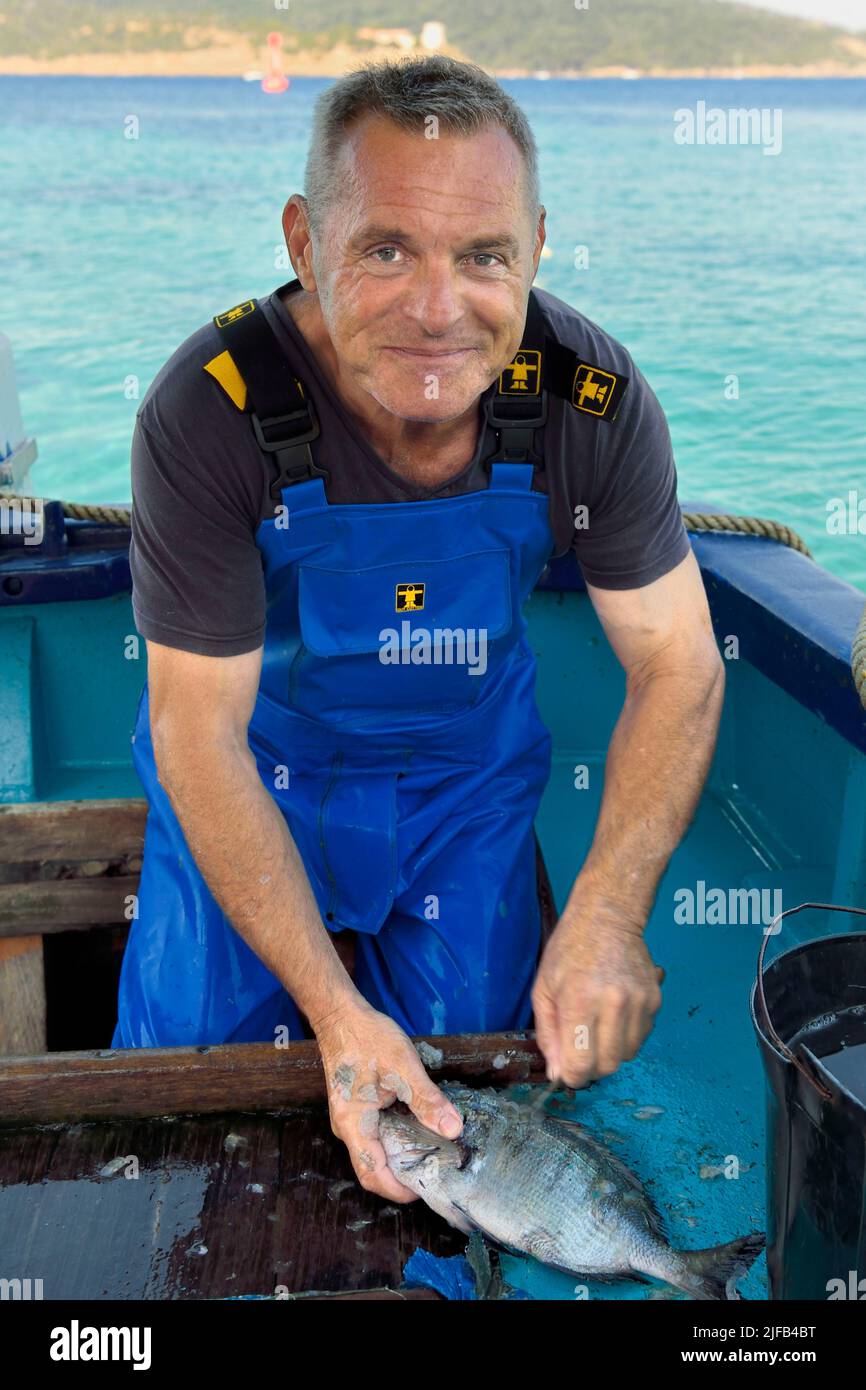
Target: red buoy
275	79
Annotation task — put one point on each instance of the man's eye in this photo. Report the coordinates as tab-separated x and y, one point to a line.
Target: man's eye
384	251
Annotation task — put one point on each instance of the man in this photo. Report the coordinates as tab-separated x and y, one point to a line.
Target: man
308	469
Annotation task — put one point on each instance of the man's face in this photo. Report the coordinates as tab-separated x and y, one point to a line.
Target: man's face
424	265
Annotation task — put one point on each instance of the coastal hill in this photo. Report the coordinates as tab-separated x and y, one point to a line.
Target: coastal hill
550	37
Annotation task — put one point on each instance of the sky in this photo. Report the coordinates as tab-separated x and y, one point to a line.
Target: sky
851	14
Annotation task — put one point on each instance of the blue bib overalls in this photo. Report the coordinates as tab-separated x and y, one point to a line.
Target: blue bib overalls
396	728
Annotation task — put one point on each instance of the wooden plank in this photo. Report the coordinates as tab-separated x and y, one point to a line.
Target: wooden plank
47	905
69	830
202	1207
22	996
252	1076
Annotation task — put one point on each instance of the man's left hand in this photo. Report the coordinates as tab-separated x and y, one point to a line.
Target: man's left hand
595	996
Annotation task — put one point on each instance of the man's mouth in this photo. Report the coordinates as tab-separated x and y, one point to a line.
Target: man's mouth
429	354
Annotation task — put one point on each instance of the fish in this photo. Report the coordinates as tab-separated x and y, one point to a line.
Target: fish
534	1184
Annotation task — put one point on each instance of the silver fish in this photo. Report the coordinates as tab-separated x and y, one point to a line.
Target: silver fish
545	1187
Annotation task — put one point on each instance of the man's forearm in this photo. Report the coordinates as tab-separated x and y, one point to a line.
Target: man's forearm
243	847
657	764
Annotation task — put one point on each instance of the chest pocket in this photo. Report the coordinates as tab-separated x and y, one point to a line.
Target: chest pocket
422	635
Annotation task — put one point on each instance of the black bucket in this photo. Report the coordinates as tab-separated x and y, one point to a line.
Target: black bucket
809	1011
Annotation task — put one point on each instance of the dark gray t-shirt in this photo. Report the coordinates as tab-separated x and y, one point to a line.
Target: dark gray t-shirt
201	485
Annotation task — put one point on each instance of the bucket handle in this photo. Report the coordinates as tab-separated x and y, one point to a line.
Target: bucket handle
759	983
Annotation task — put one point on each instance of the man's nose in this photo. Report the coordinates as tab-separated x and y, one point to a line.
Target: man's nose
433	299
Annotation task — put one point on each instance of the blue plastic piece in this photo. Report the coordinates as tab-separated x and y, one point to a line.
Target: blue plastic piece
452	1277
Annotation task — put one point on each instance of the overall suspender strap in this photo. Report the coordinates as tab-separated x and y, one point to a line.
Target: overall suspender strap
283	417
518	408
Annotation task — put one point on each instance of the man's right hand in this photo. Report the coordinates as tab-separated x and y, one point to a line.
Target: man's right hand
369	1063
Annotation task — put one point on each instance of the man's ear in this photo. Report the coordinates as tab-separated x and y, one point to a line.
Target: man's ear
540	238
296	230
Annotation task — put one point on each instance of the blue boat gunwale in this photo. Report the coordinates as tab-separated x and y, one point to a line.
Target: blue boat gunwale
795	620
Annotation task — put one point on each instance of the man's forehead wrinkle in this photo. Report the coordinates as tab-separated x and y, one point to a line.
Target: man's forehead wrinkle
450	197
423	198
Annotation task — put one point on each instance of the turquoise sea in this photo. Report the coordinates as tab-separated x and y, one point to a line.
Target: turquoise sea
708	261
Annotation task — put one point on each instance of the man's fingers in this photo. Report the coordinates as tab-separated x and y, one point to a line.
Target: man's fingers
371	1166
359	1091
641	1021
612	1027
578	1042
547	1034
433	1108
638	1026
408	1081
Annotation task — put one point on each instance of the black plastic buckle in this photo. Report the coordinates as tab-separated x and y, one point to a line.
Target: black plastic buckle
289	447
517	421
516	432
273	446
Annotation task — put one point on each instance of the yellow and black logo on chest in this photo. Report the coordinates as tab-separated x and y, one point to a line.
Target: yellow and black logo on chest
410	598
523	375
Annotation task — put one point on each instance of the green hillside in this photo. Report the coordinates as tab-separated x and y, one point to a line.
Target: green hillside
548	34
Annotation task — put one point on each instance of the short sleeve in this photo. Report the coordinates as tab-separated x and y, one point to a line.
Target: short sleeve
197	580
634	530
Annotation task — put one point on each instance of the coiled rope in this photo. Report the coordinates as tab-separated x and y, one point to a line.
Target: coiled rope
693	521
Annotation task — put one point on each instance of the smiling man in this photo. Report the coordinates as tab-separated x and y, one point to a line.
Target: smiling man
343	495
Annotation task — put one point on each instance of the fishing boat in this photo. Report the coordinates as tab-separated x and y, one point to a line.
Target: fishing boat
259	1198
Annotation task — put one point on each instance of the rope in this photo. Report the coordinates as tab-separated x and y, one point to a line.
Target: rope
693	521
747	526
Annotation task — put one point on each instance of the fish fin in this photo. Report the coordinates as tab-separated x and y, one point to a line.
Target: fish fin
566	1120
574	1133
713	1273
478	1259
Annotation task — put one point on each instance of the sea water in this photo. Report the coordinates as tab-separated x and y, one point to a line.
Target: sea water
136	208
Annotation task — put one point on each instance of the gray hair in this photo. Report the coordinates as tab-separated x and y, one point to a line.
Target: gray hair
462	96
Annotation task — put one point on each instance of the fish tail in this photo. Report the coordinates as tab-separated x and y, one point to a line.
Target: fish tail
713	1273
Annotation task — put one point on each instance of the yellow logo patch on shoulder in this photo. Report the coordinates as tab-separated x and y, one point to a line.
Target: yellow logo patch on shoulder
222	368
595	391
523	375
232	315
410	598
